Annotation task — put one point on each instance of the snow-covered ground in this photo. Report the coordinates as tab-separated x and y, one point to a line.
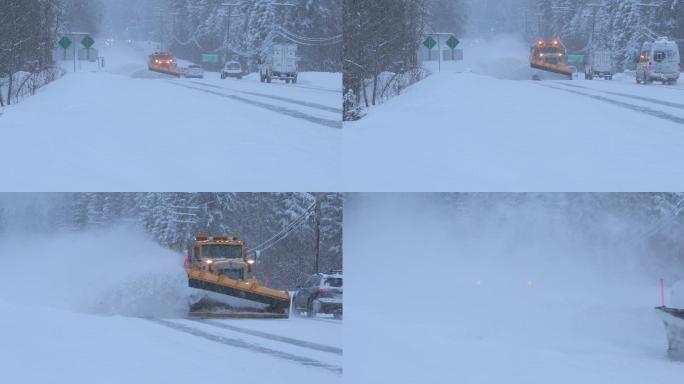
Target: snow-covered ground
497	295
110	307
126	128
481	126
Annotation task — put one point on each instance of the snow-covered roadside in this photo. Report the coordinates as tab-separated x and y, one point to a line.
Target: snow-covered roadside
480	298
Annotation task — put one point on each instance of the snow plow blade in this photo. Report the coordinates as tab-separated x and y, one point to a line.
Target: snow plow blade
238	315
674	326
558	70
275	304
166	72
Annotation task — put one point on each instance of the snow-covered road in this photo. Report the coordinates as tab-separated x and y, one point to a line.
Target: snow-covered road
50	345
130	129
463	131
122	317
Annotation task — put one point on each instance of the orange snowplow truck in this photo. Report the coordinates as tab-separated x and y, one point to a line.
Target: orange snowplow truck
163	62
550	56
218	266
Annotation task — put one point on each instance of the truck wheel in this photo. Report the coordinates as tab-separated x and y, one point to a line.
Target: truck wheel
262	78
294	80
338	316
268	79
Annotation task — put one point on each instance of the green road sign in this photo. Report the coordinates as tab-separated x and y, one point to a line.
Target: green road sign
453	42
64	42
429	43
575	59
206	58
88	42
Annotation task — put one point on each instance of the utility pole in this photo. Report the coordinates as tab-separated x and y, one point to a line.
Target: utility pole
317	231
229	6
562	10
592	39
540	32
160	14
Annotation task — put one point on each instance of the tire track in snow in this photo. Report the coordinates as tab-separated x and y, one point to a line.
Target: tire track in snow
279	98
238	343
633	107
270	336
636	97
274	108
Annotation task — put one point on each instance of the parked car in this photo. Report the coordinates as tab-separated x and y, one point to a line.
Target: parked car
320	294
194	72
232	69
281	64
658	61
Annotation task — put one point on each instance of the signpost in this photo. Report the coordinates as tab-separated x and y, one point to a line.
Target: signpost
452	43
87	42
576	59
429	43
65	43
210	58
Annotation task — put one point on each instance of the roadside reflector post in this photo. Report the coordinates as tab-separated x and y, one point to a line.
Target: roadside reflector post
662	293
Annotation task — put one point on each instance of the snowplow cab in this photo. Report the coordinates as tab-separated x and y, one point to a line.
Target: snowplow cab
163	62
550	56
218	266
222	255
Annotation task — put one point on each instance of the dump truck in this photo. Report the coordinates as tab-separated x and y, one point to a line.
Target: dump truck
549	58
163	62
601	65
673	319
221	274
281	64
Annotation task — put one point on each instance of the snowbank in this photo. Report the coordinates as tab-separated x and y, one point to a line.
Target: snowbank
114	271
25	84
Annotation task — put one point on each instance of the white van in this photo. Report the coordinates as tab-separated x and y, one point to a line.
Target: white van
658	61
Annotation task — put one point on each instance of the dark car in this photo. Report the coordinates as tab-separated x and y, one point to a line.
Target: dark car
320	294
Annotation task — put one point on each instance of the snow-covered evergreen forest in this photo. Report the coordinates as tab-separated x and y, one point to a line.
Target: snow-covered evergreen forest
27	36
382	37
619	25
281	226
240	29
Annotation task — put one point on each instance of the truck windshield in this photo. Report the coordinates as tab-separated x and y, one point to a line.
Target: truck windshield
334	282
221	251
